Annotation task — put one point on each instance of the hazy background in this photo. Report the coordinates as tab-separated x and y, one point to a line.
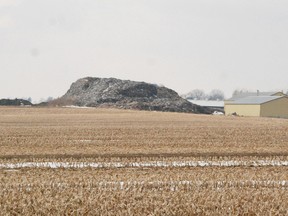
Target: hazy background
183	44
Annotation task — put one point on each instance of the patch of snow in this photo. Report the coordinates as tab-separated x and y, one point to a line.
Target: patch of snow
218	113
55	165
79	107
84	141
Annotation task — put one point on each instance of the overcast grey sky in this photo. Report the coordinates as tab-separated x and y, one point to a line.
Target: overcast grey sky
183	44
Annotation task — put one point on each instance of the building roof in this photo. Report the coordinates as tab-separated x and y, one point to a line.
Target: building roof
208	103
255	99
250	94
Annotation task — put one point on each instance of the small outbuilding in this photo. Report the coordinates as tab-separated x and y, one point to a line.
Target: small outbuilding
264	106
210	104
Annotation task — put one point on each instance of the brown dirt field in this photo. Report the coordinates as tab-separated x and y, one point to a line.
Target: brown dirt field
73	135
68	132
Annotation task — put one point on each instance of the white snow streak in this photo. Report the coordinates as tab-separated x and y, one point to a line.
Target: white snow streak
78	107
230	163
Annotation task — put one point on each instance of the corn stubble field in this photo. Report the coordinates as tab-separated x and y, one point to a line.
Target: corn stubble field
68	161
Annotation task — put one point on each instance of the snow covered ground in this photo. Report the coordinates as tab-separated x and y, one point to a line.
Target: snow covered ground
79	165
79	107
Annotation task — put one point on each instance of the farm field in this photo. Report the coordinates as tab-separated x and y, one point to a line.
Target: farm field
123	162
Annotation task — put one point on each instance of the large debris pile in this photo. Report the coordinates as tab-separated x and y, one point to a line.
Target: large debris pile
126	94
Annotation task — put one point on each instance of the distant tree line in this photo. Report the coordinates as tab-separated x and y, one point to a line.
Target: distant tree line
239	92
198	94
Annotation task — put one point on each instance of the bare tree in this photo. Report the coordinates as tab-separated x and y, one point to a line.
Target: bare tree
216	94
49	99
239	92
196	94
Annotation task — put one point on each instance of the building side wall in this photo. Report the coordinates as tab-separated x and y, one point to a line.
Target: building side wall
242	109
277	108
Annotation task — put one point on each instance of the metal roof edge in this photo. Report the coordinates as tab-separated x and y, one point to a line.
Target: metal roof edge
279	97
231	102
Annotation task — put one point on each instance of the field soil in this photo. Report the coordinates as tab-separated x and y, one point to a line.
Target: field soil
91	161
71	132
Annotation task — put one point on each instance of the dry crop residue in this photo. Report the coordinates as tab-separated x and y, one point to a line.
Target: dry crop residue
121	162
